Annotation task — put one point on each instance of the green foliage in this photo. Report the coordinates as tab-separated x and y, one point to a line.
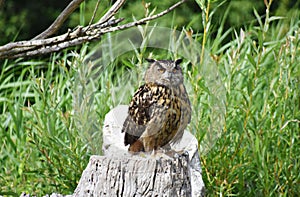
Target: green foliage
258	153
39	145
44	140
52	111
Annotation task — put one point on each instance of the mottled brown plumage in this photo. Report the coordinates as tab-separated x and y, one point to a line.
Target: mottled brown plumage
159	110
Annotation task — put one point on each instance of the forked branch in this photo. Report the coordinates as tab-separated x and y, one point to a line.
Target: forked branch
41	44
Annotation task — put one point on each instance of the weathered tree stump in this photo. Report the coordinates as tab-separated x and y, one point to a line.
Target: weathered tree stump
108	176
119	173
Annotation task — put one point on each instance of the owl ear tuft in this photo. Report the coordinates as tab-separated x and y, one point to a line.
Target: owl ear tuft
150	60
178	61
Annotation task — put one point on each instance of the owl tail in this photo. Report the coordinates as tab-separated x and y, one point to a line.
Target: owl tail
137	146
177	138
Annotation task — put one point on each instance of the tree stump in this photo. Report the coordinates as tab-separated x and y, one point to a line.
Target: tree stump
108	176
119	173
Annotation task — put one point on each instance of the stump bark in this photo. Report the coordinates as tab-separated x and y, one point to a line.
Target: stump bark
108	176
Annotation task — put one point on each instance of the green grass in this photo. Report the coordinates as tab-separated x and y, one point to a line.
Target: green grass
52	111
258	153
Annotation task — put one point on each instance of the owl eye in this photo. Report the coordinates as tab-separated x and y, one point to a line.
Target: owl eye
161	70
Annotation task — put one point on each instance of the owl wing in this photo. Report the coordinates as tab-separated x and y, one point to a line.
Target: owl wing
148	110
138	115
186	112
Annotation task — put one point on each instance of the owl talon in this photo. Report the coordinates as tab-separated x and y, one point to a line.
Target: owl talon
162	155
165	154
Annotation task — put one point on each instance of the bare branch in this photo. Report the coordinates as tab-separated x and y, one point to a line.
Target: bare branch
59	20
76	36
112	11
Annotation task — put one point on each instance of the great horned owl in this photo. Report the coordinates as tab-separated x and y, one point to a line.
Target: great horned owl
159	110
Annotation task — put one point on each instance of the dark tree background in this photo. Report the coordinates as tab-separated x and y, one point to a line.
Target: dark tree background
24	19
21	20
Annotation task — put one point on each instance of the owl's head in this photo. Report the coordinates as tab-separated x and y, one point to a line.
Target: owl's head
166	72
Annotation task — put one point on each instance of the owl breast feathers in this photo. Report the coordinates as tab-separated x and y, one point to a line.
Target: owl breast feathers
157	113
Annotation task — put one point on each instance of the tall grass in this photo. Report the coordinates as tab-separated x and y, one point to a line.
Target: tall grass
52	112
258	153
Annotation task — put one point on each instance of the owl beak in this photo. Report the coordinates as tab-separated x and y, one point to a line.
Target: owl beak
167	76
166	80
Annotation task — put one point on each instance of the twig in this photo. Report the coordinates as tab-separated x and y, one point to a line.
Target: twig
94	14
144	20
112	11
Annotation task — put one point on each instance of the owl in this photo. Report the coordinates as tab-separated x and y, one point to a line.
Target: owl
159	110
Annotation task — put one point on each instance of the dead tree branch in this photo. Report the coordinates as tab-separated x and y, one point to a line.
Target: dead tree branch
41	45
